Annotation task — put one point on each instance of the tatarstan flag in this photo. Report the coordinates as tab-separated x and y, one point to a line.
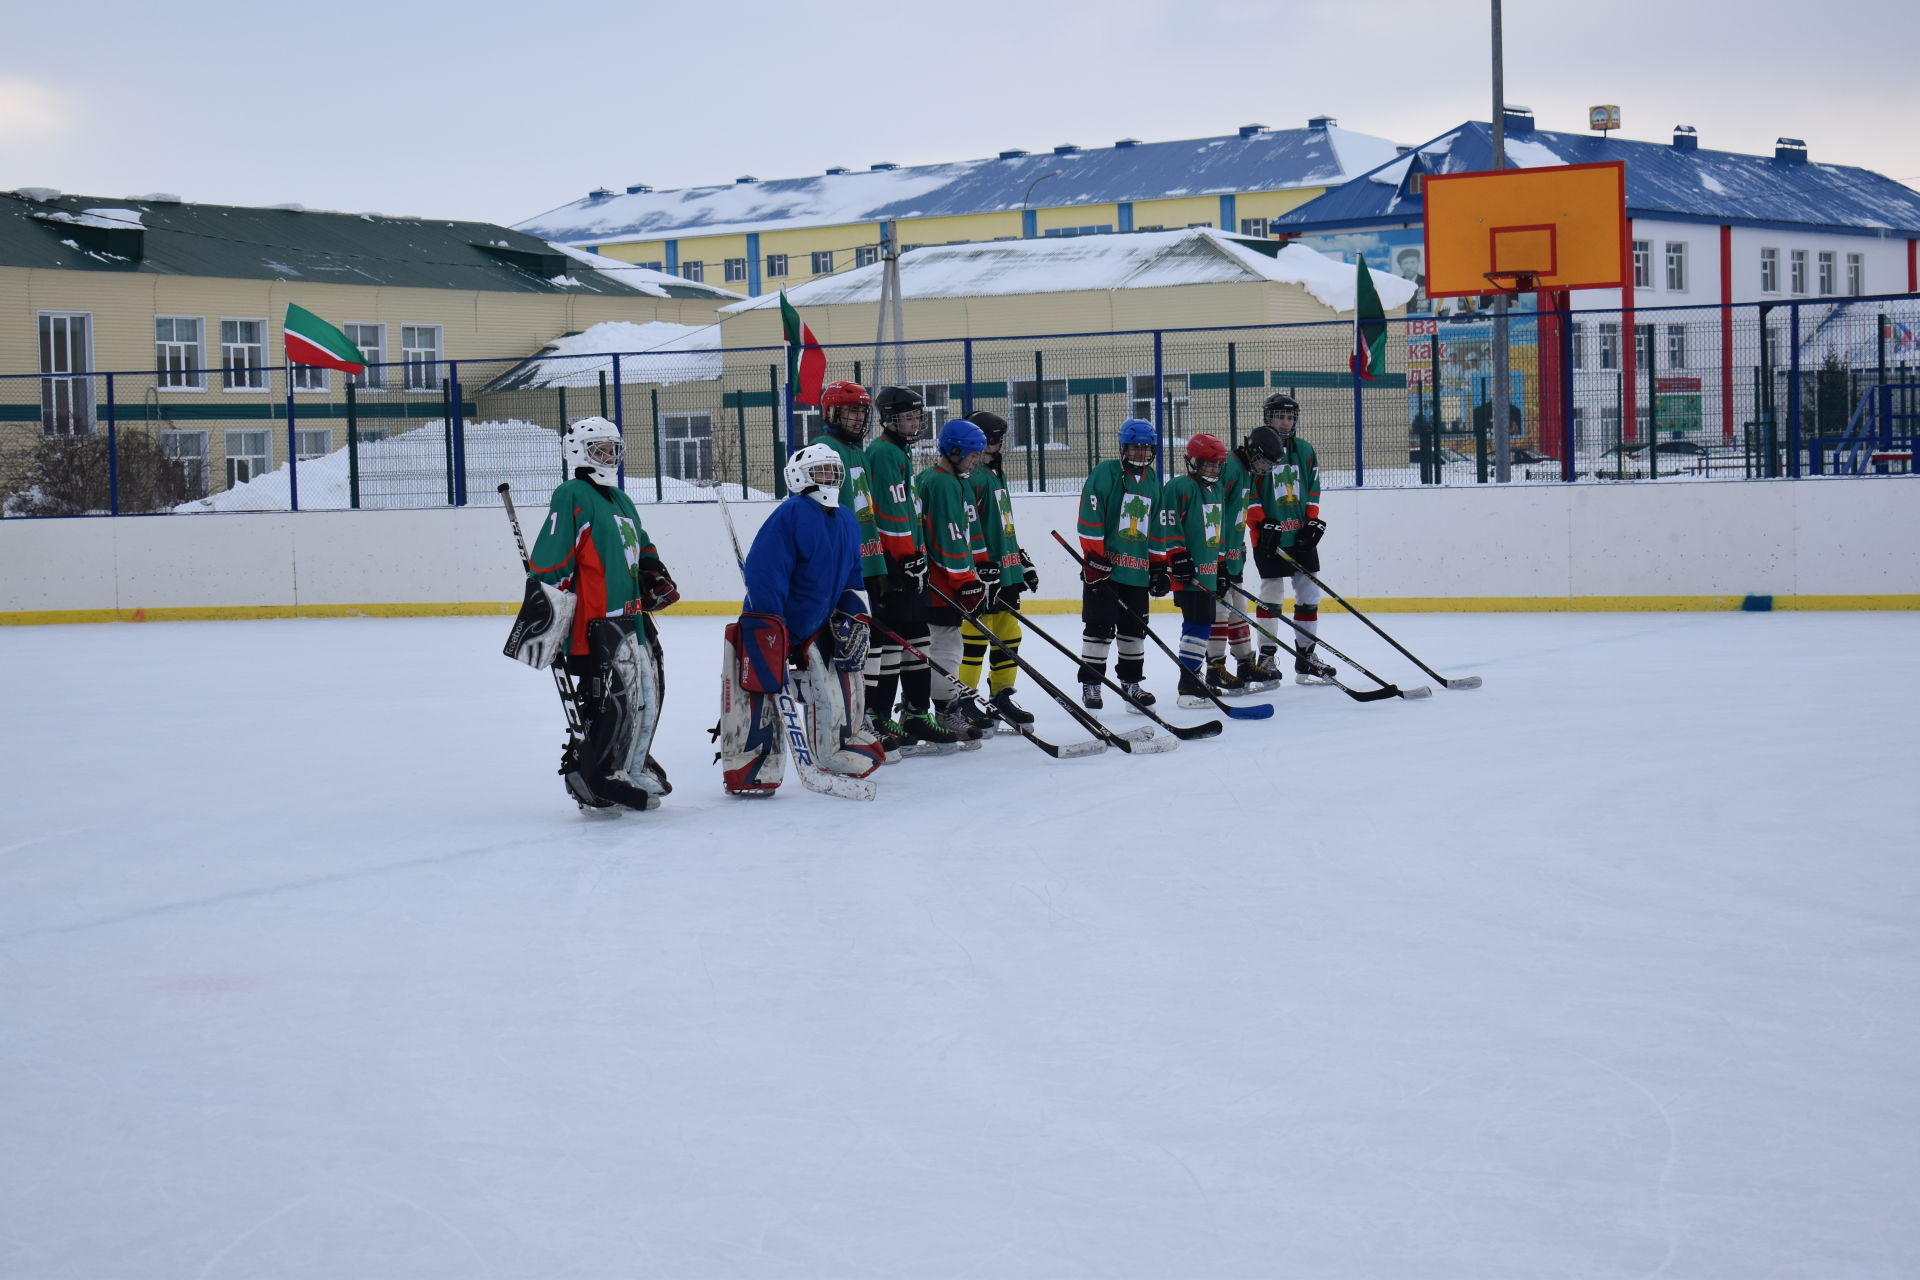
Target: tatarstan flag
1369	327
806	362
311	340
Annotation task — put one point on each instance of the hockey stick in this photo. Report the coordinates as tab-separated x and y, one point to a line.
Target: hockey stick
1386	690
1182	733
1463	682
562	679
1259	711
1358	695
1072	751
812	775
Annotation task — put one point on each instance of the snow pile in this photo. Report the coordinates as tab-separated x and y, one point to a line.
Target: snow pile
656	352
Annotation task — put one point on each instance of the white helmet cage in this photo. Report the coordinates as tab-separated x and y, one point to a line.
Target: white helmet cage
593	443
817	472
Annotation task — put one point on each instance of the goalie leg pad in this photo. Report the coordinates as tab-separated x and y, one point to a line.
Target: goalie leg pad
752	738
836	720
620	708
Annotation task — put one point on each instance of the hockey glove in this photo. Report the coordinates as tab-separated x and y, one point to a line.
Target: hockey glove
1096	569
1271	532
1227	578
1312	532
545	624
1159	581
971	595
1032	575
657	588
850	632
878	586
1180	563
909	574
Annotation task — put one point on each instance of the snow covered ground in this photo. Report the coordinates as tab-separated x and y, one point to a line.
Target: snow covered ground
1607	969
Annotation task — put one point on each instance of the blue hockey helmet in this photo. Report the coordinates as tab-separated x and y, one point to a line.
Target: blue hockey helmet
961	435
1139	431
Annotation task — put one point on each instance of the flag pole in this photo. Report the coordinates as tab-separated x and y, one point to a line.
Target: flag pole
1359	412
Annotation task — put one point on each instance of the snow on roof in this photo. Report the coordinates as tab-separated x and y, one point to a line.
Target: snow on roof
655	352
1069	264
113	219
657	283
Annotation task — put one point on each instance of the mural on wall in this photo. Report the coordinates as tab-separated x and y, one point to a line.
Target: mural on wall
1450	372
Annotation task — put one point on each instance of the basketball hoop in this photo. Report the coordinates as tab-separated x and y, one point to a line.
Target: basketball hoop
1519	281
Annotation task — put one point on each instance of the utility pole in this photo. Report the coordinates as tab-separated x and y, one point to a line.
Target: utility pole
1498	420
890	307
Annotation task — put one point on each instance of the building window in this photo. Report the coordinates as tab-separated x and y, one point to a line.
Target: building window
1643	340
649	266
178	354
686	445
1192	225
776	266
1643	264
1579	343
734	270
866	255
1047	410
1856	274
187	451
243	355
1609	345
307	377
1177	403
1253	226
248	456
372	341
1677	265
1797	270
694	271
315	442
822	261
1676	346
1095	230
1769	271
420	353
1826	265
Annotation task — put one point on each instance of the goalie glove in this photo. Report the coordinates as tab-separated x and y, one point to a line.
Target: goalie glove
544	626
657	587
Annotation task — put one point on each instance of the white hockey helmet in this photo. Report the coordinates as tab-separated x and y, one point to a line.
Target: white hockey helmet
593	443
817	472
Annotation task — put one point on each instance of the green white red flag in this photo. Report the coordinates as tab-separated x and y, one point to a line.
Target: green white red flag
1369	327
311	340
806	362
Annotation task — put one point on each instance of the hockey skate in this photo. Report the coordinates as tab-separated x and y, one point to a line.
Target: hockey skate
1091	697
1011	712
1136	696
891	738
956	722
1222	681
1193	691
1308	669
1258	674
926	736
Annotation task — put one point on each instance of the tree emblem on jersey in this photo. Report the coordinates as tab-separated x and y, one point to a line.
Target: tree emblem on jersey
1135	512
1004	501
862	499
1289	478
629	540
1215	525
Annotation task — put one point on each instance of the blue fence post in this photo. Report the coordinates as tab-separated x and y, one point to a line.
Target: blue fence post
966	374
1793	392
620	421
1567	470
459	436
1159	402
1359	426
293	450
113	451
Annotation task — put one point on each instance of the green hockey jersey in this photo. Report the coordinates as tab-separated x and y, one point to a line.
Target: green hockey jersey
1116	519
592	541
993	508
1288	495
857	497
1236	488
1190	518
950	534
896	507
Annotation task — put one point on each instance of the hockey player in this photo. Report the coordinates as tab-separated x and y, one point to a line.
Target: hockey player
1008	571
899	590
844	410
947	512
1121	568
1284	518
1240	476
592	546
1189	533
803	608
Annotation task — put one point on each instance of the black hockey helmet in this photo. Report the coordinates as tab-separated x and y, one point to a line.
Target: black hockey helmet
894	403
991	424
1264	442
1277	403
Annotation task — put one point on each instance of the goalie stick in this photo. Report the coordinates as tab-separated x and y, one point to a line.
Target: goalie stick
1462	682
812	776
1386	689
1259	711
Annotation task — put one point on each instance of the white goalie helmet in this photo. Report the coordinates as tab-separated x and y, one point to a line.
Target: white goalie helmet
816	471
593	443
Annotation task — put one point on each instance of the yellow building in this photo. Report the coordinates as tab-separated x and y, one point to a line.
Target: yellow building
757	237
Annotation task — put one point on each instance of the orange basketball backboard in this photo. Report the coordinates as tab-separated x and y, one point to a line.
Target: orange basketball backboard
1565	226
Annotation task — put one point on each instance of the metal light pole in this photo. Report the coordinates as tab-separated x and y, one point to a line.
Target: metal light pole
1498	420
1027	200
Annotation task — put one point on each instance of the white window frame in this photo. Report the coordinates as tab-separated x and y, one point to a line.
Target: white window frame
866	255
1578	342
420	365
1769	270
308	378
305	440
242	464
686	445
777	266
1677	346
1643	264
733	270
1609	355
180	365
1645	336
694	270
1797	270
66	394
822	262
187	450
1053	413
1254	226
374	376
1826	274
1856	274
1179	423
936	399
1677	266
244	375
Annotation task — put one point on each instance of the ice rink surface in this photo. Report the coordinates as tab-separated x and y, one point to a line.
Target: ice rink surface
1607	969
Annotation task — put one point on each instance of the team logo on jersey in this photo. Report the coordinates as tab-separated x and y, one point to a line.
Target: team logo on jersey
629	542
1215	522
862	496
1134	513
1004	500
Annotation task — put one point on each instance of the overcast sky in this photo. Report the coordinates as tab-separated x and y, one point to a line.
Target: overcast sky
499	113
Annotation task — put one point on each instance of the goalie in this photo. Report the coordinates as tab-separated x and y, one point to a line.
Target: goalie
803	611
593	578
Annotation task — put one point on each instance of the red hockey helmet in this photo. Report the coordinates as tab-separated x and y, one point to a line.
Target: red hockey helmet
1204	456
836	398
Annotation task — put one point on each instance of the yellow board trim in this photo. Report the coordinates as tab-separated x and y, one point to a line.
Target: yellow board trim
728	608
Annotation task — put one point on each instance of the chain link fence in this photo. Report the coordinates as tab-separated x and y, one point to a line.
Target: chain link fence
1786	390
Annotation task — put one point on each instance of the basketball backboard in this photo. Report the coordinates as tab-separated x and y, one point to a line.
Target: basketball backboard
1563	227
